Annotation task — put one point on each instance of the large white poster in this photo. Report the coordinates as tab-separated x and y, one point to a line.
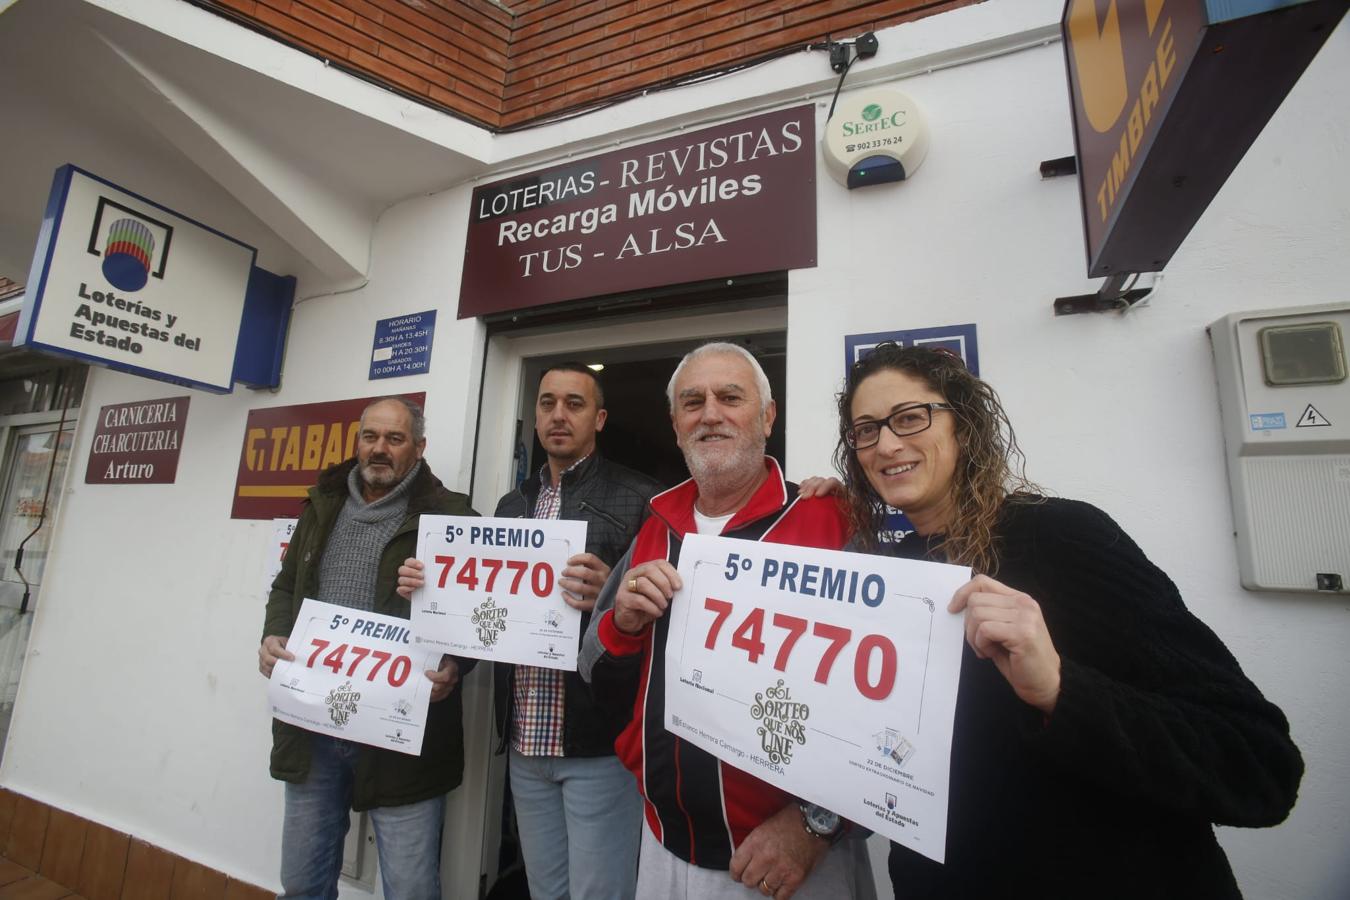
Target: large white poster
831	675
492	589
282	529
356	675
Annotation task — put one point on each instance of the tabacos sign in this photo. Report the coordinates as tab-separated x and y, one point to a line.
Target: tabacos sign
121	281
286	447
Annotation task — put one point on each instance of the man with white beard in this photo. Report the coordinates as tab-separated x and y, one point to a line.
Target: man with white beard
713	831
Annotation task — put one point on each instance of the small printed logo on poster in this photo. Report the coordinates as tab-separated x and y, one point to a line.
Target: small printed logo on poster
696	682
490	620
342	703
887	811
397	738
551	652
893	745
781	729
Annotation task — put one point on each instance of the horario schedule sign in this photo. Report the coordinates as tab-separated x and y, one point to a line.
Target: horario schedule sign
734	199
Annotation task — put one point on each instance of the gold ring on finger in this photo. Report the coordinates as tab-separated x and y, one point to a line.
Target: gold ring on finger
632	584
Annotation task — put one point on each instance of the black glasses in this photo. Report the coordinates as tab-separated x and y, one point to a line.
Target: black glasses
902	422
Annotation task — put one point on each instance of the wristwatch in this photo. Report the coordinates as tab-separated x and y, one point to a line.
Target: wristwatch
821	822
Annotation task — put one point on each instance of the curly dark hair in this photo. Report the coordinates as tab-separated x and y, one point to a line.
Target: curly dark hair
989	470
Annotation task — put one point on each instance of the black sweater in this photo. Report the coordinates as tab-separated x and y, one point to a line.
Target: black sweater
1156	734
612	500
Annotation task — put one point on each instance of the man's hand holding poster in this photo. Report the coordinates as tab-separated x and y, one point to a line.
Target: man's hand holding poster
831	675
356	675
492	589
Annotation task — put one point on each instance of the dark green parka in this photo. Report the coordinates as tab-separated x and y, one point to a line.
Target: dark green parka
383	777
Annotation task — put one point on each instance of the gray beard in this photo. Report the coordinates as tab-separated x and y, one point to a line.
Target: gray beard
729	471
377	480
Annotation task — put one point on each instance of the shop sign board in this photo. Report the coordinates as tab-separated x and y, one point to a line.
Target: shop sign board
286	447
137	443
121	281
403	345
733	199
1167	96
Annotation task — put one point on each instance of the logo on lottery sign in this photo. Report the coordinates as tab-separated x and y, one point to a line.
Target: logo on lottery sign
781	730
342	703
490	620
894	746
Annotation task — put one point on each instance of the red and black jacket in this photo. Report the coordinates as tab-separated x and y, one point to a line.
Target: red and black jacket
700	808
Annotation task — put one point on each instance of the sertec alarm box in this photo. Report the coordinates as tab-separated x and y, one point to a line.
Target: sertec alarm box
1284	401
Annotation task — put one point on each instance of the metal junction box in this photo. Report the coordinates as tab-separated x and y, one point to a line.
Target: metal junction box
1284	401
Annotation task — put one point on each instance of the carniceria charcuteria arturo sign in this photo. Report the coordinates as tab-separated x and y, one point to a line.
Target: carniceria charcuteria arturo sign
733	199
137	443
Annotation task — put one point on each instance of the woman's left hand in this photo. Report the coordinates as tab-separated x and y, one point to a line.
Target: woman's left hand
1007	626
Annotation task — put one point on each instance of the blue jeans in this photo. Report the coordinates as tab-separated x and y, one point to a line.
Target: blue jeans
580	823
408	838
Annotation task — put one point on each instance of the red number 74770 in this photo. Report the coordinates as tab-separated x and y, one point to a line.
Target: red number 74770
749	636
396	674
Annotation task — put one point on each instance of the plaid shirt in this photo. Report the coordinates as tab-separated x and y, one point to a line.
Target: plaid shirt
537	729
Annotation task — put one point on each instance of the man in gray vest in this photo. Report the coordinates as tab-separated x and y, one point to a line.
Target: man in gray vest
360	522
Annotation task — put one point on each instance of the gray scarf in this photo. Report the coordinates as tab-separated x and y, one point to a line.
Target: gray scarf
351	561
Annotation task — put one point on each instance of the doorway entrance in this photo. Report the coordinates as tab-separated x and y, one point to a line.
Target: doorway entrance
639	354
637	431
38	414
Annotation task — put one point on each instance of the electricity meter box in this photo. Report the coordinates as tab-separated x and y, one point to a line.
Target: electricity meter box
1284	401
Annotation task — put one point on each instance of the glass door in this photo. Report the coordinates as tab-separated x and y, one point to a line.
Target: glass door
34	478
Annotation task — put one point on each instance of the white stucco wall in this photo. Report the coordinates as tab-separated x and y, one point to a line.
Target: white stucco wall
1121	411
140	704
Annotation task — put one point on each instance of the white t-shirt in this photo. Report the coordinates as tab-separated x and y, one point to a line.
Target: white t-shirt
710	524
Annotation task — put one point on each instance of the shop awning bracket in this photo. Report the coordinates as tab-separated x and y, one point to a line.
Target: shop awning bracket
1115	295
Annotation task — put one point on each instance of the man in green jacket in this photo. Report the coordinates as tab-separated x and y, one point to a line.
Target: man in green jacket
359	524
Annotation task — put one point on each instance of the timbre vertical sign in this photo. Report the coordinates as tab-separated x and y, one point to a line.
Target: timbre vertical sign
1167	96
138	443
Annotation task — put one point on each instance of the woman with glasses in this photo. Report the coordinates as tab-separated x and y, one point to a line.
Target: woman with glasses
1100	728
